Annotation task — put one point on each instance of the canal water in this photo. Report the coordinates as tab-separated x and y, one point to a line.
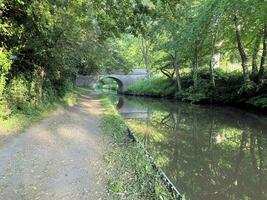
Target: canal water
208	152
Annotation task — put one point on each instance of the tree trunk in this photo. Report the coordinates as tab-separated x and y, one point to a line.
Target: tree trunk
195	66
263	57
244	58
254	57
212	63
212	79
145	52
177	71
165	71
42	78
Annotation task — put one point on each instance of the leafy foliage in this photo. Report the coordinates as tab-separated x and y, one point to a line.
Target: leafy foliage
157	87
45	44
229	89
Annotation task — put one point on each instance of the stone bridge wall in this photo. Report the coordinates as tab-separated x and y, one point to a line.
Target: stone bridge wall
123	80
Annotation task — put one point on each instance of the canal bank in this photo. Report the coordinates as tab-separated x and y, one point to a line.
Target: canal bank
131	174
229	90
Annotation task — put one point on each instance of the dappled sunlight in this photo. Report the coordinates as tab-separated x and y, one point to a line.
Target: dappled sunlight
57	158
183	58
73	133
220	139
228	136
45	137
144	131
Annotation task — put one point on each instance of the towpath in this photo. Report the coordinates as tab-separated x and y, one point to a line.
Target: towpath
60	158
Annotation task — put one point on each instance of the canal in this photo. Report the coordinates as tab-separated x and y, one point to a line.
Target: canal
208	152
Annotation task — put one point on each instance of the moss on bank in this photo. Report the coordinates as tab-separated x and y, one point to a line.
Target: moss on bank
131	173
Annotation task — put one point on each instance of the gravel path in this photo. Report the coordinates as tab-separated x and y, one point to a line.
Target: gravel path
58	159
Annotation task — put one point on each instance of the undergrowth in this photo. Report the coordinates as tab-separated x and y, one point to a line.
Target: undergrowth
229	89
131	175
158	86
17	119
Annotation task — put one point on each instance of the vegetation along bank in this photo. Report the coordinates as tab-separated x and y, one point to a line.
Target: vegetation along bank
131	175
229	90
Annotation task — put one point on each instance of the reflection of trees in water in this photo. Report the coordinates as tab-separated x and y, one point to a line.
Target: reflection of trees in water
146	139
209	157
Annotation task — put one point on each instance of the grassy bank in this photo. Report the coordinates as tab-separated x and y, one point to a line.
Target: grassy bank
18	119
229	90
131	175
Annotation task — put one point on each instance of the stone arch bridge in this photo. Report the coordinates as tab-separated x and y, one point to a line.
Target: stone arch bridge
123	79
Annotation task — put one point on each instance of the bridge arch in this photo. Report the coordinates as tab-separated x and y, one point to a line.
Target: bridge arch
118	81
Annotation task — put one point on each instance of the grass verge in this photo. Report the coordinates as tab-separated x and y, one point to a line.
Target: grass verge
19	120
131	175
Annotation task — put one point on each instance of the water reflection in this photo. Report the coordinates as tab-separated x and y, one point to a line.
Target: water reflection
208	152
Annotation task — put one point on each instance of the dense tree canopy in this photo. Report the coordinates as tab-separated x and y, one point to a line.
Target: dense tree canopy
45	44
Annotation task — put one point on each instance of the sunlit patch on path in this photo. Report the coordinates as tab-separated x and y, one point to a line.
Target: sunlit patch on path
57	159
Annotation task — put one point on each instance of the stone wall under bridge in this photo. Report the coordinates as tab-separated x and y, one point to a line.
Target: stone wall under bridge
123	80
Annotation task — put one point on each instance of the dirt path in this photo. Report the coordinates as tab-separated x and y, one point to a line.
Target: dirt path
57	159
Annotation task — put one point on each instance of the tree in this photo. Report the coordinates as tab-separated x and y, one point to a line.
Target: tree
264	54
52	41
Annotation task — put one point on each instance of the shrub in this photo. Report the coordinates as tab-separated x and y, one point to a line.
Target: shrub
5	64
18	93
5	110
259	101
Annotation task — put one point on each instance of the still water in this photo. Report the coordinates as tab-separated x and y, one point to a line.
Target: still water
208	152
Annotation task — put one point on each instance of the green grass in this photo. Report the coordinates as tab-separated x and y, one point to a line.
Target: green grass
131	175
158	86
20	119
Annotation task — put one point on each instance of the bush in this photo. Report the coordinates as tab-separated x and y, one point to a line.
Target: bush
18	93
5	110
14	120
5	64
258	101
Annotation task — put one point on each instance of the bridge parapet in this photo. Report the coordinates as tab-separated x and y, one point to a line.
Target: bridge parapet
131	72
